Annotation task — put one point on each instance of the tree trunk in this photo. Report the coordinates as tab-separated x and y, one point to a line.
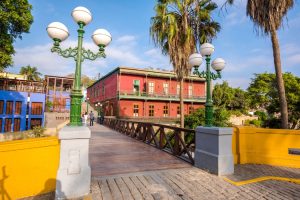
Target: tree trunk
279	80
181	105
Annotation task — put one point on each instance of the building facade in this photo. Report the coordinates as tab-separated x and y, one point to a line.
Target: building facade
146	94
22	104
58	91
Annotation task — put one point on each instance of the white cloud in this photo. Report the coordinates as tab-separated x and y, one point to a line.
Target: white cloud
126	38
116	55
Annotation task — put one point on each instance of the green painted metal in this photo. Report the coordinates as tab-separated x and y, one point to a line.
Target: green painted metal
208	75
79	54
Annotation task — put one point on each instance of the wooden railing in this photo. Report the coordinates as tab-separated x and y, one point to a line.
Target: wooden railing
179	142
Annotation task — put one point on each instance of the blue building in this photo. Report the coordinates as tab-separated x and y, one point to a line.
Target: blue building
22	104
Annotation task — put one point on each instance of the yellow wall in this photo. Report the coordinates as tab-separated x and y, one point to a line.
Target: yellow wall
28	167
265	146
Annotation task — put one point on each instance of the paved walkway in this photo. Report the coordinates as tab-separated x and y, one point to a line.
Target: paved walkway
120	170
113	153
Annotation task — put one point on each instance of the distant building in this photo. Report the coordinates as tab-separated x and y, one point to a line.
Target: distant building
58	90
22	104
13	76
146	94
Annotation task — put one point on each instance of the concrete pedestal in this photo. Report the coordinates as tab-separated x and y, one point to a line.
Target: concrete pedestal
214	150
74	173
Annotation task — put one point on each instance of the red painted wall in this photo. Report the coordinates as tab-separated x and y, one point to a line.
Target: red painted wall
110	86
126	108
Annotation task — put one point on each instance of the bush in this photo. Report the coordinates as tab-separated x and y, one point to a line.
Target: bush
38	131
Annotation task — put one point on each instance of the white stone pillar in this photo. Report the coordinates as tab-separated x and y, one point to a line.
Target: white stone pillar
214	150
74	173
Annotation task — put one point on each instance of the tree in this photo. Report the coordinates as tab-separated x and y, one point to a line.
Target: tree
267	16
230	98
16	19
263	95
86	81
176	29
31	73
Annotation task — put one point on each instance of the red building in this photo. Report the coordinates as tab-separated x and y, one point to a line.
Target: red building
143	93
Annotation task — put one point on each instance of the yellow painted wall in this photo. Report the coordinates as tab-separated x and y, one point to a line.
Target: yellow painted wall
28	167
265	146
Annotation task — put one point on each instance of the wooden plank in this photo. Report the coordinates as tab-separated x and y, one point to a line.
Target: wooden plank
123	188
95	190
133	190
145	193
116	194
179	192
160	181
106	194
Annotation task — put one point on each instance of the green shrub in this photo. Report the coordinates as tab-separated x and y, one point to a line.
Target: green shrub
38	131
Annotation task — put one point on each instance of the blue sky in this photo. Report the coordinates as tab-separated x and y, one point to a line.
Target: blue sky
128	22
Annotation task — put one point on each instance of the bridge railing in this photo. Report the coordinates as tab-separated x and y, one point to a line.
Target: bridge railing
178	141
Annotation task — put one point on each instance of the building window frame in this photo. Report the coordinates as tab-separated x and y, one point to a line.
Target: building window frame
151	110
178	111
178	89
151	87
135	110
190	90
166	111
166	88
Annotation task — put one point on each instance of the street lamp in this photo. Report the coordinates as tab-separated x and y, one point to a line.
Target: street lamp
98	106
59	32
195	60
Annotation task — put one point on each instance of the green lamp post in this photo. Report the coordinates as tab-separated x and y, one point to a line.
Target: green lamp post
59	32
195	60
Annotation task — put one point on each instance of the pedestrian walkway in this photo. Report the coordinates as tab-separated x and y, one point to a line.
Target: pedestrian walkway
113	153
124	168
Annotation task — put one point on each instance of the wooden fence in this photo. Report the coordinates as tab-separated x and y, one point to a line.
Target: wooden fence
179	142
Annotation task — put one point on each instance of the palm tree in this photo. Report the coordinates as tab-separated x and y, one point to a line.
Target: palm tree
31	73
177	27
267	16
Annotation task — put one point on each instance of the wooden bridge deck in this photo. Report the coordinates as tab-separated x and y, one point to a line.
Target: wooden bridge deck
112	153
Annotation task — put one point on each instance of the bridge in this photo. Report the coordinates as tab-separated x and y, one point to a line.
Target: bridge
148	161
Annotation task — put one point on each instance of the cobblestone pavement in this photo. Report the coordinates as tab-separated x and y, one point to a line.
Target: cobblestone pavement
187	183
251	171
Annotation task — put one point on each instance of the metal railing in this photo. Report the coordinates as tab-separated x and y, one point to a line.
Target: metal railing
179	142
158	95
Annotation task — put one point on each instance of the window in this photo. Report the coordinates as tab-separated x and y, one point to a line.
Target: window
178	89
0	125
166	111
103	89
151	110
178	111
1	107
190	92
151	88
17	123
135	110
36	108
9	107
136	87
191	109
18	108
35	122
7	125
166	88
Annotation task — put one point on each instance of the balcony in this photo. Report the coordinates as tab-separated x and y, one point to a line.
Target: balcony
22	85
159	96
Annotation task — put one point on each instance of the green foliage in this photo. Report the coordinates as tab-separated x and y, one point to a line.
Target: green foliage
230	98
49	105
263	94
38	131
31	73
221	117
197	118
16	19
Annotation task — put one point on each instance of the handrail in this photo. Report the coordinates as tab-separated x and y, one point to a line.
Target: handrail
177	141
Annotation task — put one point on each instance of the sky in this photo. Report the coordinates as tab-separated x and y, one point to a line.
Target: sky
128	21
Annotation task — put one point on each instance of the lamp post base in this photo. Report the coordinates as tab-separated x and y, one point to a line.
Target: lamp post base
74	173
